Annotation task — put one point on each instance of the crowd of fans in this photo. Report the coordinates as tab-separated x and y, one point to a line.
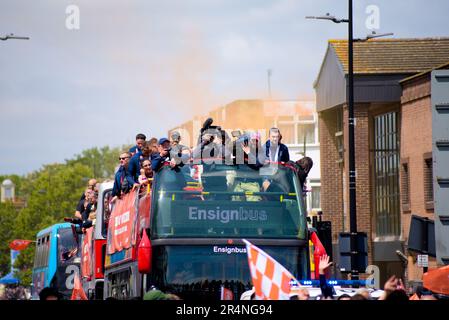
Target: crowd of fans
137	165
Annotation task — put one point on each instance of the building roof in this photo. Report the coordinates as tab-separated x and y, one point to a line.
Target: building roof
393	56
7	183
442	66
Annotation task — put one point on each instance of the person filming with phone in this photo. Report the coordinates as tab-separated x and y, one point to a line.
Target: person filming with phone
164	155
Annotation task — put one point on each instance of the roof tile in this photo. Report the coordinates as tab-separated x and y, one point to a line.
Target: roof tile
393	55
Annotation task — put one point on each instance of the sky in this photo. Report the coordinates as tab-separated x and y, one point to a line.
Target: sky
147	66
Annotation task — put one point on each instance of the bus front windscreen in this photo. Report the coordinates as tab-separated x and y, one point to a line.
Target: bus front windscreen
68	261
200	272
220	200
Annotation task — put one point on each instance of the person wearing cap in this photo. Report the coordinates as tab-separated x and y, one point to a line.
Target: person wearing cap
164	155
176	145
180	152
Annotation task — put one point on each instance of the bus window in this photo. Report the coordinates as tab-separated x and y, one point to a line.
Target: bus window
198	272
36	254
67	247
46	250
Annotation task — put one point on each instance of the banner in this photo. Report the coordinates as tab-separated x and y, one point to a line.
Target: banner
19	244
121	223
86	258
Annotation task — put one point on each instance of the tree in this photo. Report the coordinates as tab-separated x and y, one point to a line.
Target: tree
56	189
8	215
102	162
51	194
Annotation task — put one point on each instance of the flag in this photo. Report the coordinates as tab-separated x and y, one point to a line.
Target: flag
226	294
270	279
437	280
318	252
78	291
19	244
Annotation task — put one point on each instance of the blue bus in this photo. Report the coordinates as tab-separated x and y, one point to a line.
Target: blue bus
56	260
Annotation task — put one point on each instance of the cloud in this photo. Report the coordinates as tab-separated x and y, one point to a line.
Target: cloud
235	49
274	10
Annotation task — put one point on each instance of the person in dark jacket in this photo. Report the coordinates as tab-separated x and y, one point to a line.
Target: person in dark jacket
136	160
276	151
123	181
304	166
140	141
164	155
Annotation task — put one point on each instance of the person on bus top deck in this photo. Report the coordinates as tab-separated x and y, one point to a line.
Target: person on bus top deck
146	173
136	161
164	155
176	145
179	152
123	181
253	154
276	151
92	185
153	145
88	215
304	166
140	140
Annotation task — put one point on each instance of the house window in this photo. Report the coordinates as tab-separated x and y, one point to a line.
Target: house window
306	133
316	197
405	186
428	181
288	132
386	174
297	129
339	143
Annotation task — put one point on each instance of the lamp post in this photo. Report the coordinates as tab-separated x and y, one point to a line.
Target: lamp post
351	119
12	36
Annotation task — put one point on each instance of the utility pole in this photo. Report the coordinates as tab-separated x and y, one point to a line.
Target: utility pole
351	124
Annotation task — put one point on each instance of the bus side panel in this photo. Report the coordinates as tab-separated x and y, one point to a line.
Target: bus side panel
99	258
52	257
123	282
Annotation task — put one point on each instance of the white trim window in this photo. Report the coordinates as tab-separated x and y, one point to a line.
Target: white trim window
314	196
297	128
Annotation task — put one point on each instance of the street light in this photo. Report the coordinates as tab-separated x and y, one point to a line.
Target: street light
351	120
12	36
373	35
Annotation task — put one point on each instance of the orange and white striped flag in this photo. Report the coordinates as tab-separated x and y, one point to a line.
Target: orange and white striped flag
78	292
271	280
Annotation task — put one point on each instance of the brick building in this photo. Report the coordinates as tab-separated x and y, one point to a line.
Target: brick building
379	66
417	161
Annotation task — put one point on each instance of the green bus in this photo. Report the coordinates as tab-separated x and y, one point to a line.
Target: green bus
200	214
